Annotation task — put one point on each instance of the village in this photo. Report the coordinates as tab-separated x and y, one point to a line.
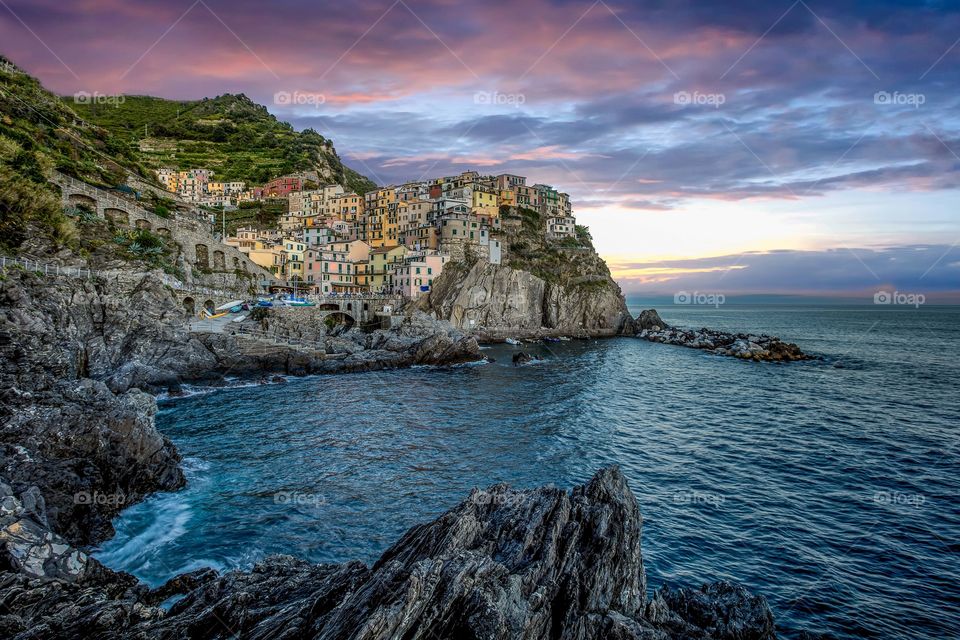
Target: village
391	240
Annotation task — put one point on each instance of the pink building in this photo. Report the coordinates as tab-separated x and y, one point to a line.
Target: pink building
416	275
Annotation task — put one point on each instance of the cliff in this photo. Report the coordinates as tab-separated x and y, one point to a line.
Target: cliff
543	287
495	301
503	564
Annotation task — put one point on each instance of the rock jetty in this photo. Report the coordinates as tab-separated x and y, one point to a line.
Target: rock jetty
760	348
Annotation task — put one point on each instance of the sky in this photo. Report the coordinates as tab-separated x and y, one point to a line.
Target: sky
808	147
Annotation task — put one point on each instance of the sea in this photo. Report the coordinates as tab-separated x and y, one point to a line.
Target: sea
832	487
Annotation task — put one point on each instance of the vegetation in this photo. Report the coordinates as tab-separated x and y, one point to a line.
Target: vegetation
237	138
566	261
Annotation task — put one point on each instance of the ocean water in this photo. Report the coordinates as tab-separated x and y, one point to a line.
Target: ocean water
830	486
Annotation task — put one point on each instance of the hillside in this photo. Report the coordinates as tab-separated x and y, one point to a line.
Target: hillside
231	134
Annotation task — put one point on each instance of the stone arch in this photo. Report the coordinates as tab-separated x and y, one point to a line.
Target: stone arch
339	318
328	306
82	198
219	261
163	231
202	256
189	306
209	306
236	263
118	216
143	224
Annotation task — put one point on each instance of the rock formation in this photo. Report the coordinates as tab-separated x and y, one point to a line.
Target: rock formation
503	564
649	326
495	301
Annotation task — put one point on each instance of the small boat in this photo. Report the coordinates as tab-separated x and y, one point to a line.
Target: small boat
551	339
236	309
512	341
264	303
229	305
298	302
239	318
206	315
564	339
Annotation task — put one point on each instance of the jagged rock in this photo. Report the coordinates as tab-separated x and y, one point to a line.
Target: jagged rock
649	326
503	564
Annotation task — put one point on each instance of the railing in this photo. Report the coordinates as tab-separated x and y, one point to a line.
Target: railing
47	269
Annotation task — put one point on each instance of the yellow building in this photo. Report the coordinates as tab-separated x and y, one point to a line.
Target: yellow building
378	213
269	256
294	250
485	204
380	267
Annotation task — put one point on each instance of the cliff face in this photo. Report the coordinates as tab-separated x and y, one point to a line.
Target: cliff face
496	301
544	287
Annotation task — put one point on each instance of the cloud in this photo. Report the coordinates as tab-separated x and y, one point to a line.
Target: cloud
928	269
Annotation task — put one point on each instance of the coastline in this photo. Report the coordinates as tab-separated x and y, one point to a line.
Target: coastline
43	520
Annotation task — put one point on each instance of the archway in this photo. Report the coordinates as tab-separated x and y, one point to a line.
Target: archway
143	224
81	198
339	322
209	306
118	216
219	261
202	257
189	306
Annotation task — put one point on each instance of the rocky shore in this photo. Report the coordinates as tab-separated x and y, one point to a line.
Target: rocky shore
78	444
503	564
759	348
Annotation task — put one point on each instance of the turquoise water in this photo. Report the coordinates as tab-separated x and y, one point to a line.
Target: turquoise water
829	486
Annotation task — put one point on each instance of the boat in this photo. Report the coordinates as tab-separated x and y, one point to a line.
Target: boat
236	309
239	318
229	305
551	339
264	303
512	341
298	302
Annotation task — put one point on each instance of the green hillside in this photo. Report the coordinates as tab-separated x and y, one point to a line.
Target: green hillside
234	136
